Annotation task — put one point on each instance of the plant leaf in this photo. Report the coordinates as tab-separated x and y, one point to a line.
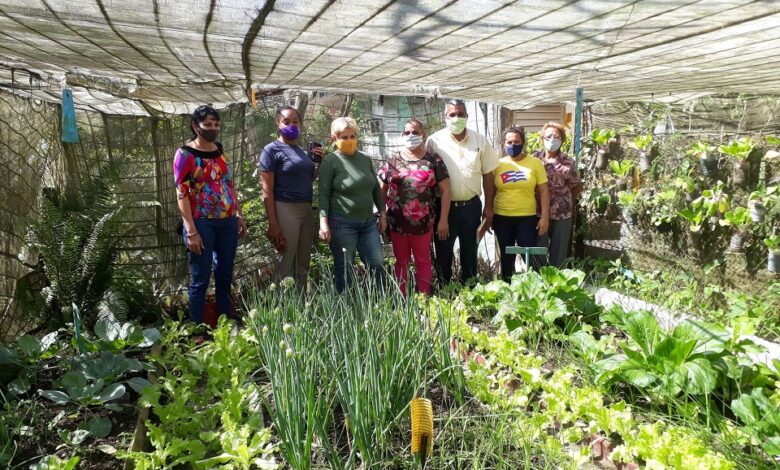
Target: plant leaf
55	395
74	383
99	426
29	345
138	384
112	392
700	376
745	409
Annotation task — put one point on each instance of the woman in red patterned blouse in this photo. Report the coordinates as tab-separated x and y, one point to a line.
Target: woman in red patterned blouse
210	212
409	180
564	183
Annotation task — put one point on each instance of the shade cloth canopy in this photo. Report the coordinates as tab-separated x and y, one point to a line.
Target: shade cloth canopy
139	57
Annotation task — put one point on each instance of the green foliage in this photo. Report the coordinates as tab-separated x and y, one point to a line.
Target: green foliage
700	150
739	218
761	416
621	169
663	364
78	238
642	142
738	149
663	206
713	201
52	462
601	136
773	242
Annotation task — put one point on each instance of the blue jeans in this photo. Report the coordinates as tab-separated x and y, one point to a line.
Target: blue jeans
220	239
346	236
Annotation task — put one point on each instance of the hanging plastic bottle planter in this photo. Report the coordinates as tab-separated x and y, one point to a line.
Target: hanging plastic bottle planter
422	429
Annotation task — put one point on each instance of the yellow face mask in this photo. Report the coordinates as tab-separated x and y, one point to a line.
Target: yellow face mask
347	146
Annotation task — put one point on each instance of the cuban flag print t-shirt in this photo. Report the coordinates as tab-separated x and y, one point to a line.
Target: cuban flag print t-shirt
516	182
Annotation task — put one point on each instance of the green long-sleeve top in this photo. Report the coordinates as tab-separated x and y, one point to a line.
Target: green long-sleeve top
345	184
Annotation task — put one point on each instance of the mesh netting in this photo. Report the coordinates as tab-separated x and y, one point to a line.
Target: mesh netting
715	120
143	147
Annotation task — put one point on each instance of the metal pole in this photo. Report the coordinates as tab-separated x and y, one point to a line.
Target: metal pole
577	127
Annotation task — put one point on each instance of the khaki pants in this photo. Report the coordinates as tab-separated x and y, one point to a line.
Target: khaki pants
296	221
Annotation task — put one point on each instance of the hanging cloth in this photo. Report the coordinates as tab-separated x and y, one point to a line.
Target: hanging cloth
70	132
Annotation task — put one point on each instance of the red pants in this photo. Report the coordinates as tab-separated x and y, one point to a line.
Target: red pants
404	246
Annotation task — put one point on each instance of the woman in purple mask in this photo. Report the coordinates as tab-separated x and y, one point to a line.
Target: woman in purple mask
287	174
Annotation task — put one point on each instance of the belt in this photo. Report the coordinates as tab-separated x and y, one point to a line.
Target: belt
465	203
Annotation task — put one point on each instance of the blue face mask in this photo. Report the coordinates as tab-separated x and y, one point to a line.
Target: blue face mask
514	150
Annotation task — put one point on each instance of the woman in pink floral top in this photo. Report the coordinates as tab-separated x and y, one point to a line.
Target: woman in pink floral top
210	211
408	181
564	183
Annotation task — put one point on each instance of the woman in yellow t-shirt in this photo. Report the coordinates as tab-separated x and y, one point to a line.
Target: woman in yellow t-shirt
518	177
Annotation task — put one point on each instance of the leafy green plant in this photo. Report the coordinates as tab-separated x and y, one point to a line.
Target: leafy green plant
663	207
739	218
738	149
695	217
761	416
773	243
78	237
772	140
602	136
713	201
665	365
621	169
52	462
599	199
701	150
642	142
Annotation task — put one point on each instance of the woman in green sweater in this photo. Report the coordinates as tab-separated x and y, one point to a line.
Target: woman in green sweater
349	191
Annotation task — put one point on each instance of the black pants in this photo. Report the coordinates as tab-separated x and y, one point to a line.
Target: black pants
514	231
464	222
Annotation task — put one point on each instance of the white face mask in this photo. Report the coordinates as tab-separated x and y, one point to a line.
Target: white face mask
412	141
456	125
552	145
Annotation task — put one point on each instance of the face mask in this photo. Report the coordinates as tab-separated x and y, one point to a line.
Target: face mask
552	145
347	147
456	125
209	135
514	150
412	141
290	132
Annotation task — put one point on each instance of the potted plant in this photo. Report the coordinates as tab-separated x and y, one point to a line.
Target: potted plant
739	218
643	143
739	150
603	138
622	171
773	260
760	199
708	160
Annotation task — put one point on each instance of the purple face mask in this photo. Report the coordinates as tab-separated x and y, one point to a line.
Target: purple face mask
290	132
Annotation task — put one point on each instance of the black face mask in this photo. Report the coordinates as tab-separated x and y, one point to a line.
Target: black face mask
209	135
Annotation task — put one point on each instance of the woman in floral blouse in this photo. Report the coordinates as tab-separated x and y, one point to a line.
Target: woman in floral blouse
210	212
409	180
564	183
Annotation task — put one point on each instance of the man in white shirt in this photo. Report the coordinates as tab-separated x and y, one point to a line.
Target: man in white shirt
470	160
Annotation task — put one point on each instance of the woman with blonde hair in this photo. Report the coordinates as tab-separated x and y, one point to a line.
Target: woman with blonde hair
349	191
